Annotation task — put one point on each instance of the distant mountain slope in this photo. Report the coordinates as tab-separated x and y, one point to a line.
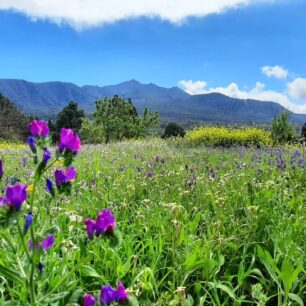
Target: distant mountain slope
46	99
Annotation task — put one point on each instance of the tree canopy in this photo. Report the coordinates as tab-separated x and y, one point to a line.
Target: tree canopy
13	124
116	119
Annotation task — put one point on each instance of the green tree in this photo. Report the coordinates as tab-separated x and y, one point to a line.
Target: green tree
173	130
13	124
282	129
69	117
117	119
303	134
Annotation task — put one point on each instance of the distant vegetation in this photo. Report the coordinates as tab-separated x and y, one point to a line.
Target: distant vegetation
282	129
13	124
227	137
115	120
173	130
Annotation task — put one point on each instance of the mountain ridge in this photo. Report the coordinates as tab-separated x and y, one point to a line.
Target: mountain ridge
45	99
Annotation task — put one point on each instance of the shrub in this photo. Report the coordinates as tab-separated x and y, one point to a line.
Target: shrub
282	129
303	134
222	136
173	130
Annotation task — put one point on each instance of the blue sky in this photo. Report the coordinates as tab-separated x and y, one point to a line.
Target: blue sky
243	48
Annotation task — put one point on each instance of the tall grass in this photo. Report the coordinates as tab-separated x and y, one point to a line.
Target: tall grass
199	226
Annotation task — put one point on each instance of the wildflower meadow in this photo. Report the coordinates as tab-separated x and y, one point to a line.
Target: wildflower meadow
151	222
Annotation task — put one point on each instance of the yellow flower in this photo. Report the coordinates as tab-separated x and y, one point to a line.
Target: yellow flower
58	163
30	188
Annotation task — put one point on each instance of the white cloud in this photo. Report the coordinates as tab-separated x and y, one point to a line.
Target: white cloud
87	13
193	88
297	89
275	71
259	92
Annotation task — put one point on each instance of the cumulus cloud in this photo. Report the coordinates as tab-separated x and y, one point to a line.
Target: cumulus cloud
297	89
259	92
87	13
193	88
275	71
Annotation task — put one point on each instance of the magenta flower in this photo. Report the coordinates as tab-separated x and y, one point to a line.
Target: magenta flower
1	169
122	294
90	227
16	195
108	295
39	129
65	177
69	141
106	222
89	300
45	244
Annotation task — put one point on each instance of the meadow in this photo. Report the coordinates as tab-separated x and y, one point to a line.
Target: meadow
195	225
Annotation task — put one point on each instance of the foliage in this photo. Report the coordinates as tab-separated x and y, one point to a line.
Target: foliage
69	117
226	137
117	119
303	134
200	226
13	124
91	132
173	130
282	129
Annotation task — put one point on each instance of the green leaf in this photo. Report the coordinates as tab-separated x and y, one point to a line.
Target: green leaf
227	290
89	271
296	298
269	264
11	275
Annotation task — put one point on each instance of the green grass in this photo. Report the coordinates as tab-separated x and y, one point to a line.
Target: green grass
233	239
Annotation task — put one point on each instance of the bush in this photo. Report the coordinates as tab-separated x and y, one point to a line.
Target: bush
222	136
173	130
282	129
303	134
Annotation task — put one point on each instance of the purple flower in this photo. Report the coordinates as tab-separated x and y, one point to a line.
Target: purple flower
90	227
16	195
69	141
49	187
47	156
106	222
3	202
108	295
1	169
89	300
28	221
121	293
47	243
65	177
32	144
41	267
150	174
39	128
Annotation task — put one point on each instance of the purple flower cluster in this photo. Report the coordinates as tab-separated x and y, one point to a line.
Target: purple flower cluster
69	142
63	177
15	196
108	296
39	129
105	224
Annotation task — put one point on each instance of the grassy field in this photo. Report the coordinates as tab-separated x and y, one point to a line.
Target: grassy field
198	226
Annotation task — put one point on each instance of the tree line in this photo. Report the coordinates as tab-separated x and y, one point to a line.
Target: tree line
114	119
